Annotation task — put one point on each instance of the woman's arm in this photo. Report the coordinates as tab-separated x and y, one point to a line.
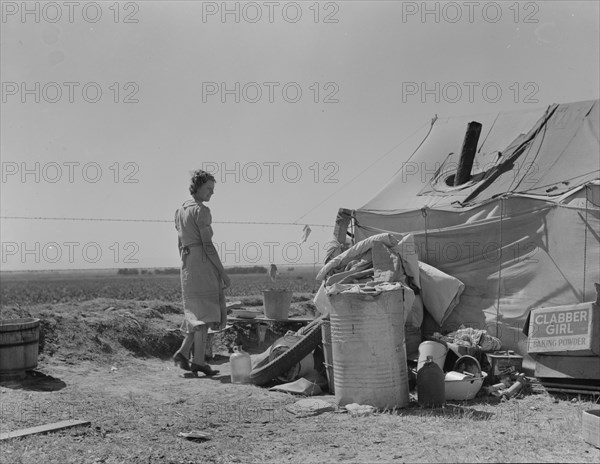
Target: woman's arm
211	252
179	245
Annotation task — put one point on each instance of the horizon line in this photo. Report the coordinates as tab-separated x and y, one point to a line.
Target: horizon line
146	268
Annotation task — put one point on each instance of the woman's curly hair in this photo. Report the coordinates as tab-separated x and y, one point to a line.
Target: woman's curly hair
199	178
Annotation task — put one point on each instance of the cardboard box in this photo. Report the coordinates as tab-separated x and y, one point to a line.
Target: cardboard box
591	427
565	330
549	365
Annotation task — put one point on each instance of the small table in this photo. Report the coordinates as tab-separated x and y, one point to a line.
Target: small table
261	323
262	318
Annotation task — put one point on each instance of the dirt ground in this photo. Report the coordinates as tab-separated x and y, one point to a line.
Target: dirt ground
107	362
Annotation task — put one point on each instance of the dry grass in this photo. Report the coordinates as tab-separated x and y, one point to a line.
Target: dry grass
138	410
108	366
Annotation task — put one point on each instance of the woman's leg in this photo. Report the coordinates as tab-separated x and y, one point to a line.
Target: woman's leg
182	355
198	362
186	346
200	337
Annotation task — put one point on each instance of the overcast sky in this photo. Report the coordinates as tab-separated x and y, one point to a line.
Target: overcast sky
299	108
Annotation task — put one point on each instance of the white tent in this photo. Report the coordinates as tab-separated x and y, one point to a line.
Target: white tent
523	232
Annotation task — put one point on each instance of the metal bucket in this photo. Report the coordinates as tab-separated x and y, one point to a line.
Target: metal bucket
19	346
277	304
437	350
369	354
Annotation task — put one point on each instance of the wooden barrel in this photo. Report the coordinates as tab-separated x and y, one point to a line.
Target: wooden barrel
19	343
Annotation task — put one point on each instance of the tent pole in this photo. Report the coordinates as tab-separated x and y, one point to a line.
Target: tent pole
342	221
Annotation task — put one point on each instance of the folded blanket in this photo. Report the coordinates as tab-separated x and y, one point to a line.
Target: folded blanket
405	248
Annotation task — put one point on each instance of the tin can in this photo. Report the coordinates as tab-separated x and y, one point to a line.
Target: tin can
504	363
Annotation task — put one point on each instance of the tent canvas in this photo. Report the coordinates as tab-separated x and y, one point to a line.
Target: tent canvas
524	232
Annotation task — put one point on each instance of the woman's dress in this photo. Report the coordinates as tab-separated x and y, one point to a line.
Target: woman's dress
201	285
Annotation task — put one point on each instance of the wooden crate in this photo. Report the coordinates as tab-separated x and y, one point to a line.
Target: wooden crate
591	427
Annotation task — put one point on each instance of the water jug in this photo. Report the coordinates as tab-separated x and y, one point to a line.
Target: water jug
430	385
240	365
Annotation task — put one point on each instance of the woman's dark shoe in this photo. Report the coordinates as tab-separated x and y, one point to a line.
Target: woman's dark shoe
180	361
206	369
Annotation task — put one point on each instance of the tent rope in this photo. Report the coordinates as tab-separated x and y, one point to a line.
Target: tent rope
433	120
499	265
488	133
564	181
88	219
426	221
585	230
529	147
371	165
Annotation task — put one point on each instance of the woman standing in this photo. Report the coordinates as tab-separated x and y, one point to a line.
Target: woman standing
203	277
